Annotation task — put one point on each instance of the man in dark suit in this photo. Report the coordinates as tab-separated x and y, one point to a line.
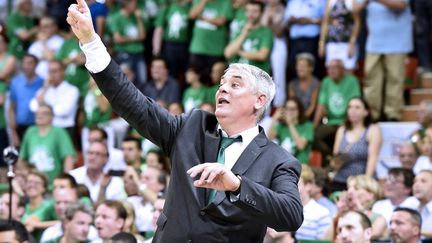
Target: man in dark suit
256	180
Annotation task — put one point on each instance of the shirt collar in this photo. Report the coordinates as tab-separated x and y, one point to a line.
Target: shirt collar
247	135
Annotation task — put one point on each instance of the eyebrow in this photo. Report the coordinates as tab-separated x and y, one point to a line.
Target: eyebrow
234	76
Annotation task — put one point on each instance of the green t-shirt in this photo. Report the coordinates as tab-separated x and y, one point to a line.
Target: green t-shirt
194	97
74	74
335	97
174	21
258	39
209	39
16	23
211	94
126	26
47	152
42	213
150	10
93	115
3	89
237	23
286	140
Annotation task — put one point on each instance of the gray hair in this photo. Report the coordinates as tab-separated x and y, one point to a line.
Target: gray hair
73	208
309	58
261	82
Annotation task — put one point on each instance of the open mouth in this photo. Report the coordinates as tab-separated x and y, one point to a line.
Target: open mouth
223	101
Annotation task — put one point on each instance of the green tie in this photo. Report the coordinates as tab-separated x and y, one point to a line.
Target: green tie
225	143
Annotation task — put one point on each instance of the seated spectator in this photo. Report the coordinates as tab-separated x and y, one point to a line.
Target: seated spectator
157	159
132	150
292	131
162	88
217	71
340	29
424	117
77	224
14	231
46	45
422	190
175	109
47	147
124	237
319	190
405	225
254	43
158	209
110	218
36	209
336	91
408	156
196	93
354	227
424	162
23	88
316	217
397	191
101	185
305	87
357	145
17	206
130	223
60	95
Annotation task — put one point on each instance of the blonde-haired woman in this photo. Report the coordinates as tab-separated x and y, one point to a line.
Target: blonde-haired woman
129	225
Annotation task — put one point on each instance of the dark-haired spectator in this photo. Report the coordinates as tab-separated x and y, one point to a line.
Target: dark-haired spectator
303	19
397	191
157	159
48	42
123	237
357	144
172	35
17	206
336	91
217	71
162	88
128	36
319	191
254	43
175	108
47	147
60	95
208	107
101	185
386	22
63	181
422	190
210	33
405	226
132	151
58	10
273	17
305	87
340	29
424	117
196	93
77	224
20	28
424	161
355	227
109	220
408	156
292	131
13	231
23	88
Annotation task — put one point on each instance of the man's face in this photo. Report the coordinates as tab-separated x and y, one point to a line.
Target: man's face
150	178
350	230
56	73
422	188
236	99
43	116
79	226
28	65
107	222
131	151
335	70
402	227
4	207
407	156
97	156
8	237
158	70
394	187
59	184
253	13
158	208
63	198
47	26
130	187
34	186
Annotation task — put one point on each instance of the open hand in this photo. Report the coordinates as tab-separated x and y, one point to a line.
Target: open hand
79	19
214	176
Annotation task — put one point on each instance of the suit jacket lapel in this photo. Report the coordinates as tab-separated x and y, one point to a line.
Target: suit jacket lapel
211	145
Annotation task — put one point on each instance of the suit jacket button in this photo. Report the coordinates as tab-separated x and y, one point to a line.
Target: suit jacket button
202	213
189	241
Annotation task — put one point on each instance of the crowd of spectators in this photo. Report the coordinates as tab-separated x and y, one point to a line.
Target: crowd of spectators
84	174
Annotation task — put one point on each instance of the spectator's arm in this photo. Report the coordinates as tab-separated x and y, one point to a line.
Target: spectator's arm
218	21
338	139
27	34
355	33
120	39
324	30
396	5
276	116
234	47
141	28
196	11
12	123
313	103
374	138
68	163
300	142
100	25
102	102
427	234
157	40
359	5
319	114
379	228
8	69
260	55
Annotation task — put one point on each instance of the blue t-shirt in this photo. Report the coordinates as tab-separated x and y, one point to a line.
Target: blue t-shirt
98	9
21	92
307	9
389	31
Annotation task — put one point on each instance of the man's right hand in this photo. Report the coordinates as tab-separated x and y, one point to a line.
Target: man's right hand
79	18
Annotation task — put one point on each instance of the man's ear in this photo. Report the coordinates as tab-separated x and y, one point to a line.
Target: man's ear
260	101
367	234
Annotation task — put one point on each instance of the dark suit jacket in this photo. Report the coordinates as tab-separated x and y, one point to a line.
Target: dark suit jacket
269	194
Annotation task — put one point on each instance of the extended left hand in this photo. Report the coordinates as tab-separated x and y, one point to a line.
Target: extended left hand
214	176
